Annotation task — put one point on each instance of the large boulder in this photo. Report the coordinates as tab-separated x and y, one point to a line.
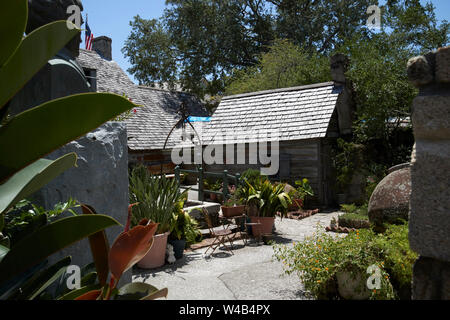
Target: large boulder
389	202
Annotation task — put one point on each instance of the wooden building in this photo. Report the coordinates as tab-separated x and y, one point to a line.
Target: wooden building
308	120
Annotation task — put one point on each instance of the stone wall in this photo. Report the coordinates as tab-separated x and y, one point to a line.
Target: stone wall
430	175
99	180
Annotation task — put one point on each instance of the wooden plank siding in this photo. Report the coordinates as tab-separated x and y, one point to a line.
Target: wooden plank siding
307	159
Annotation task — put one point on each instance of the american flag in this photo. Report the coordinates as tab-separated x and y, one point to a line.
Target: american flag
88	36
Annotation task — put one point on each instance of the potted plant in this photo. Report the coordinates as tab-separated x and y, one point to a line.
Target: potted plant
158	200
184	232
268	199
300	193
233	207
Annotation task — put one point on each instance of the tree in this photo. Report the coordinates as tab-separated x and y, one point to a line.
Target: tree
285	65
198	42
320	25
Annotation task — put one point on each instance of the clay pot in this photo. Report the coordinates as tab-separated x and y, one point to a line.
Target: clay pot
232	211
266	226
156	257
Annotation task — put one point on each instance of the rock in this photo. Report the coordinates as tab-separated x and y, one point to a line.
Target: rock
431	117
100	180
430	200
420	72
352	286
390	200
443	65
431	279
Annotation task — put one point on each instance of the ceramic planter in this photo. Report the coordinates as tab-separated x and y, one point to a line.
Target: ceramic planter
178	247
156	257
233	211
266	226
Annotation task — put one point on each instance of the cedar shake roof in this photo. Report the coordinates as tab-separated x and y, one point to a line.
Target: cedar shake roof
297	113
149	127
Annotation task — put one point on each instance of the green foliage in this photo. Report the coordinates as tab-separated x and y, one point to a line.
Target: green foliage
302	190
25	218
158	198
197	43
284	65
320	257
346	159
268	198
38	132
50	239
185	227
32	178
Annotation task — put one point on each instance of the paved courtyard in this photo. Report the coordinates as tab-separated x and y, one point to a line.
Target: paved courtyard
249	274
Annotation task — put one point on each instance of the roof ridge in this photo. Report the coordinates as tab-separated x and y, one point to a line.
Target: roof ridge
164	90
258	93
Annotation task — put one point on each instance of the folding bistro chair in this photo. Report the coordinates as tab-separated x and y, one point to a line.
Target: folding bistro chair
220	236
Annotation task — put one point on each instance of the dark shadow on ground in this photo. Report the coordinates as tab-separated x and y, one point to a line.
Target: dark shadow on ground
168	268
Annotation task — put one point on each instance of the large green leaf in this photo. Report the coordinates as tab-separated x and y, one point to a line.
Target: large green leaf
13	20
31	55
140	291
39	131
49	240
41	281
29	180
3	252
72	295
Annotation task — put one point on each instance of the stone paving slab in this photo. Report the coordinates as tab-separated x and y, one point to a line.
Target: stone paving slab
249	274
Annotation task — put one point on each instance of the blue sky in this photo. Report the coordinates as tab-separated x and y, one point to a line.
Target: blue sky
112	18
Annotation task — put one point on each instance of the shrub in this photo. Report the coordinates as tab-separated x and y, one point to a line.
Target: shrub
319	258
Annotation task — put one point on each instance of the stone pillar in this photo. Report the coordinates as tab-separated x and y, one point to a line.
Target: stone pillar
429	229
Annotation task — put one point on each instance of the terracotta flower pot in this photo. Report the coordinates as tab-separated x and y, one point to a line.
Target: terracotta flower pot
266	226
156	257
232	211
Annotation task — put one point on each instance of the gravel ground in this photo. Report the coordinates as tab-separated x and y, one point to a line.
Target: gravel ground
249	274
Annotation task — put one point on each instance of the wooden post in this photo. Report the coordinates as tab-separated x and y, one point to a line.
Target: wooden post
177	175
225	185
201	193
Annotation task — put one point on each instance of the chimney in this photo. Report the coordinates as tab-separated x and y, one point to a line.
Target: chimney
345	104
339	66
103	46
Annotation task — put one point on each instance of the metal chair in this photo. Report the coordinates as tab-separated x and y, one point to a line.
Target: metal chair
220	236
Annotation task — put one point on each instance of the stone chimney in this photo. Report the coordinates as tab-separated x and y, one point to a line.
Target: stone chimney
339	66
103	46
345	105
